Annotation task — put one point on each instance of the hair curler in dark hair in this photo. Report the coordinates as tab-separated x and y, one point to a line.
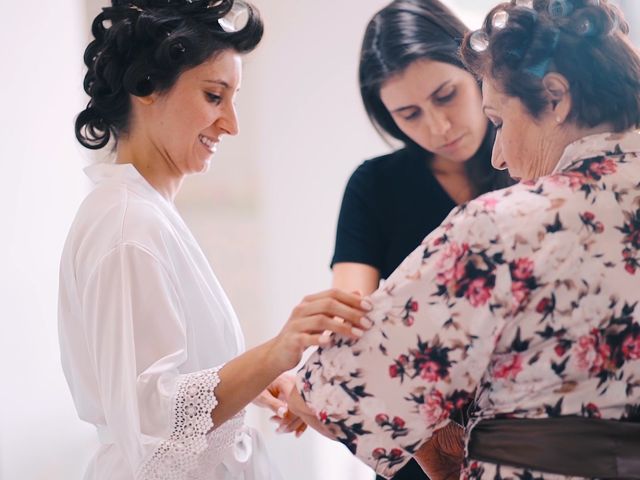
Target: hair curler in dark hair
583	40
142	46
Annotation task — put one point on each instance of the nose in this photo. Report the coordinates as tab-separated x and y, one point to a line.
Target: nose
497	160
228	122
437	121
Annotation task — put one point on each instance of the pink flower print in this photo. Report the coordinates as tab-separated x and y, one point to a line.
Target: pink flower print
451	269
592	353
382	419
488	202
588	216
478	292
631	347
573	180
398	422
393	371
379	453
508	366
522	269
408	320
606	166
430	371
520	292
433	410
560	349
395	453
306	387
544	305
591	410
588	219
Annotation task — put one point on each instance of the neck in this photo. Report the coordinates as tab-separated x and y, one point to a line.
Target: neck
154	165
445	166
565	136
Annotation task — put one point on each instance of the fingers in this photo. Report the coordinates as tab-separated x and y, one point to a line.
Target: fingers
321	323
267	399
290	424
353	300
333	307
301	430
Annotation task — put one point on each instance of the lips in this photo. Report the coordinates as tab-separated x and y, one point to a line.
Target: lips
453	143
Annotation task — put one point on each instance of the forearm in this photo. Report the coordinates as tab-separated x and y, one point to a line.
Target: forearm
355	277
243	379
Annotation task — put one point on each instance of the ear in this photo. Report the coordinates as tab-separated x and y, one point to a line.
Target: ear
146	100
559	94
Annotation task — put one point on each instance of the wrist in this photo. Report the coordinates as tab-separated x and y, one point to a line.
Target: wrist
271	358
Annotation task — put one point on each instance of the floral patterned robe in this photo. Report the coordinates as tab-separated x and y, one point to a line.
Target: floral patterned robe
525	299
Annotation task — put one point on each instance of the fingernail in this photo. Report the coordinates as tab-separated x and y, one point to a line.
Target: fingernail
282	411
366	305
366	323
357	332
324	341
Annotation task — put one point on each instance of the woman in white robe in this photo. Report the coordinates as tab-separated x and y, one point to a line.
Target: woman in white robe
151	347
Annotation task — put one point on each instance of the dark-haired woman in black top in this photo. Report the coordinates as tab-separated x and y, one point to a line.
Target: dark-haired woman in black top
415	90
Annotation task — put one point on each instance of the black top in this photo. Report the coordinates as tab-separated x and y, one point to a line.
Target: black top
390	204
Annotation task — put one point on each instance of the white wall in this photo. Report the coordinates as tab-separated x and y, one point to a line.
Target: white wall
41	58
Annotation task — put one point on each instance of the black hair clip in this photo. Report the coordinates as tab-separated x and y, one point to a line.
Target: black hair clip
144	87
560	8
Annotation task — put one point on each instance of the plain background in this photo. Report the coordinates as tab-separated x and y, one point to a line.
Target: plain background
265	214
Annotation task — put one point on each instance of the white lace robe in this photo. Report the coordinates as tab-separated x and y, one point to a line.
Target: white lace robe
144	327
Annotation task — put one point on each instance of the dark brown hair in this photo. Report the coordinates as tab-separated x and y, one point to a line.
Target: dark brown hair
584	40
398	35
141	47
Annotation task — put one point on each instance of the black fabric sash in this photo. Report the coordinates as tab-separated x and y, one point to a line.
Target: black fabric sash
572	446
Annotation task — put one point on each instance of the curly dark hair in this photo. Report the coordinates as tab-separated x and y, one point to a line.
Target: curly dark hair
586	41
400	34
141	47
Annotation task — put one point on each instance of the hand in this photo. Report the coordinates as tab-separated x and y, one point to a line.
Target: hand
274	398
442	456
313	316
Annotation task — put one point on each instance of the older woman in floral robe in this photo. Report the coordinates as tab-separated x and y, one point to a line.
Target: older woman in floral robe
526	299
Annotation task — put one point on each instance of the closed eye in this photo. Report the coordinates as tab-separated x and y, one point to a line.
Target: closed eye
411	116
213	98
446	98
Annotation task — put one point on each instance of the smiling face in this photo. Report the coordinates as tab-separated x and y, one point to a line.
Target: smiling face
439	107
185	124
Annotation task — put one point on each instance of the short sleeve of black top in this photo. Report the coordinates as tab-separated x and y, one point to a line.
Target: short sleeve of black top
390	204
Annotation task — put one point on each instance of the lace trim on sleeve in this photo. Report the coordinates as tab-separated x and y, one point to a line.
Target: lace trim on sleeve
191	419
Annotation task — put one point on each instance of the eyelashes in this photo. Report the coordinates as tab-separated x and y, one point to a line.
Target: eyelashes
213	98
446	98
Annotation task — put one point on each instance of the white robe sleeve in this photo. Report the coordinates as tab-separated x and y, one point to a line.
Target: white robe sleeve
136	333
